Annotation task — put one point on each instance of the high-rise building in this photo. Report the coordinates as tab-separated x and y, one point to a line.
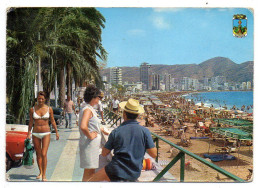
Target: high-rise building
116	75
195	84
186	82
104	78
155	82
219	79
206	81
167	82
144	74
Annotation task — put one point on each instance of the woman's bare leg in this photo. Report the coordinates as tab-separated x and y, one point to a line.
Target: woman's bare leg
88	173
45	146
38	148
101	175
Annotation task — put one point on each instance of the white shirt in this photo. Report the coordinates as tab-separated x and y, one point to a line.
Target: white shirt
115	103
98	107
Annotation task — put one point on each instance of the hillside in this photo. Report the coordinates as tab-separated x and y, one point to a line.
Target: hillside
218	66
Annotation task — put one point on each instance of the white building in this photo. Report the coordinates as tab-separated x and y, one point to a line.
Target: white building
116	75
133	88
243	86
167	82
104	78
248	85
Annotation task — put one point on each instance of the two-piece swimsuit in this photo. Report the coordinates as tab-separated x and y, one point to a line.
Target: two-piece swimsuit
45	116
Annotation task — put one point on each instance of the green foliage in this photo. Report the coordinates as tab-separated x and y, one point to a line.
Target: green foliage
56	36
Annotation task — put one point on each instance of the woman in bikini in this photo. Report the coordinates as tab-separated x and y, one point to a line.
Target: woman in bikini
40	115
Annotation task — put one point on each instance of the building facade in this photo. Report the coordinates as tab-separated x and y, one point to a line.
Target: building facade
144	75
116	75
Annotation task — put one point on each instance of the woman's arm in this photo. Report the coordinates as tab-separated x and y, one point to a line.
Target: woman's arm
103	131
30	123
54	123
105	151
87	114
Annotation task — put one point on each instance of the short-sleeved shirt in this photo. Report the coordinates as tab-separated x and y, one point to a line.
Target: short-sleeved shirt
129	142
99	107
68	106
115	103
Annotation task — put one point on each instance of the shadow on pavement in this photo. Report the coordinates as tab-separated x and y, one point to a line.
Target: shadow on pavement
19	177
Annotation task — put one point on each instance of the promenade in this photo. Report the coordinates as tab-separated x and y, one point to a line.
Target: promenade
63	159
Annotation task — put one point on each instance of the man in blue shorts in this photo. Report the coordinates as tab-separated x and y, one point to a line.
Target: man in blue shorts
129	141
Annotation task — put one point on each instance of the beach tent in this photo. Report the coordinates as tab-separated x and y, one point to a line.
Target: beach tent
234	121
233	133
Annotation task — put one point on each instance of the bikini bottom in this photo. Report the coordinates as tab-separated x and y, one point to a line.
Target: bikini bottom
41	135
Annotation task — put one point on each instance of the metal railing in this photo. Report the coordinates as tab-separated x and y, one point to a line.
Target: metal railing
111	116
181	156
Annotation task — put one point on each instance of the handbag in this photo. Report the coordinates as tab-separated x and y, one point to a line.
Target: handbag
28	154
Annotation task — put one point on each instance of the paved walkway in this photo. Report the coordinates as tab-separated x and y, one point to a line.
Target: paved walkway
63	159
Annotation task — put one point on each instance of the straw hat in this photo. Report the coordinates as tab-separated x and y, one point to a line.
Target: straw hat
102	94
132	106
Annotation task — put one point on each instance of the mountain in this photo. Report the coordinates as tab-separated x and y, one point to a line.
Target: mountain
217	66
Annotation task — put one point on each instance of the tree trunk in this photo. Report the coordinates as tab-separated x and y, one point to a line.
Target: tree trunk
69	80
62	88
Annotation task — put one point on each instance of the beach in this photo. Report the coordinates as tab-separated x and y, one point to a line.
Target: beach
195	171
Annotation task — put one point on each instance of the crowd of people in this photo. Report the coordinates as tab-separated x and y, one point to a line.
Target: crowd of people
129	141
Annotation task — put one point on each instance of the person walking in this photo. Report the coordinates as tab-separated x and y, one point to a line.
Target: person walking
129	141
40	115
68	110
115	105
90	133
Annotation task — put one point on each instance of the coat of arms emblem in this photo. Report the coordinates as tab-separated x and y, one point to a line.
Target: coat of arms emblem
239	25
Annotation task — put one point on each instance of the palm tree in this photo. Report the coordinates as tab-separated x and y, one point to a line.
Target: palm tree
22	55
70	37
76	40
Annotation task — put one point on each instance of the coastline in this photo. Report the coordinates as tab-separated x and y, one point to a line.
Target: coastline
196	171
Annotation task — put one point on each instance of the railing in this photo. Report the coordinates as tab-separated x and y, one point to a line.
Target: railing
181	156
111	116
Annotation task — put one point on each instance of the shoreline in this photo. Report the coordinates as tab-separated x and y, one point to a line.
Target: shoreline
196	171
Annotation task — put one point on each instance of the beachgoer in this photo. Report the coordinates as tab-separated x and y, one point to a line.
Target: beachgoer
77	117
68	110
129	141
115	105
99	108
90	133
40	115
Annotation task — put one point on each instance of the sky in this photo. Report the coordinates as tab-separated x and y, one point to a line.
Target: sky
174	35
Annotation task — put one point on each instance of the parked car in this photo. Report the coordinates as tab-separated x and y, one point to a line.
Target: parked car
58	115
15	137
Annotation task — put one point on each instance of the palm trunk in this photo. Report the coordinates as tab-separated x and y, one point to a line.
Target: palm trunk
69	83
62	88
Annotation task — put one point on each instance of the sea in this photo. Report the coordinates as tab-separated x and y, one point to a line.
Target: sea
224	98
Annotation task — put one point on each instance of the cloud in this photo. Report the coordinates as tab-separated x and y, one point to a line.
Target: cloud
136	32
160	22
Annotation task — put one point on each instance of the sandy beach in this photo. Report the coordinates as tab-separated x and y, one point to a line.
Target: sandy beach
195	171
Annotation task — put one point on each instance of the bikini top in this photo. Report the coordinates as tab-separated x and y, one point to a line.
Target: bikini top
45	116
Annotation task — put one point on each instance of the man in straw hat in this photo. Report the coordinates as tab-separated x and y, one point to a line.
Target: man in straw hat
129	141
